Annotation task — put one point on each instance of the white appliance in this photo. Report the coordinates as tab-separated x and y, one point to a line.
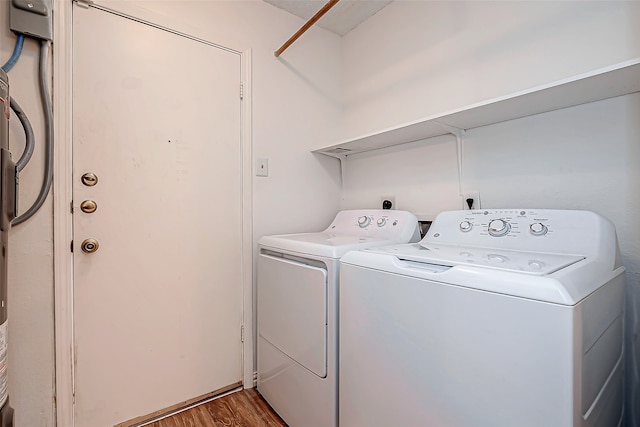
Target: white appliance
497	318
298	314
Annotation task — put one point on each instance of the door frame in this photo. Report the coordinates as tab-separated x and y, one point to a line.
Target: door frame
63	220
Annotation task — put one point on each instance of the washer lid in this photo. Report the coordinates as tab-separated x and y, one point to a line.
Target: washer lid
323	244
522	262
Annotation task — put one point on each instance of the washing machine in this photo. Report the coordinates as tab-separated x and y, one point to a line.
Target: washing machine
497	318
297	310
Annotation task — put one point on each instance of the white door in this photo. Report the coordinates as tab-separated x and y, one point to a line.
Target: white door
158	306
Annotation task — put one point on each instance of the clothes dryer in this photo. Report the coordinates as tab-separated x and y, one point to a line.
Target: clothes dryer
496	318
297	283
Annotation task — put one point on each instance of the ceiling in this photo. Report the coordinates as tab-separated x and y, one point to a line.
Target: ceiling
342	18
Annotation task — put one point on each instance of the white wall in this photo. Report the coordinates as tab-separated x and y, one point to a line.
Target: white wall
445	55
296	104
421	176
418	58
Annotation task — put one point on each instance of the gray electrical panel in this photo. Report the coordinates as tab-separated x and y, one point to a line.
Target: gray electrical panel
32	18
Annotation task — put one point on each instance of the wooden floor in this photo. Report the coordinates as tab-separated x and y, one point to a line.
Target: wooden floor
244	408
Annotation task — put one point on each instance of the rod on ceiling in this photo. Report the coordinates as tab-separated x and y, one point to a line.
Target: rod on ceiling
306	26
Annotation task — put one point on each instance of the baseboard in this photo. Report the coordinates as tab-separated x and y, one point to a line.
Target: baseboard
162	413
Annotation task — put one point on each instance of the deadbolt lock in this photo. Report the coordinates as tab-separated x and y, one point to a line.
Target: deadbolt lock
89	179
88	206
89	246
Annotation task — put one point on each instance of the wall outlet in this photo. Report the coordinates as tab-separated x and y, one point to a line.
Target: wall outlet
384	202
475	200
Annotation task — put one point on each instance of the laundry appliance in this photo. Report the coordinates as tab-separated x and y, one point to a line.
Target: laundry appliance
297	310
500	318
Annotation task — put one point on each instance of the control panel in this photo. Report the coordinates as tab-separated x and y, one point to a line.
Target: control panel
548	230
504	223
393	225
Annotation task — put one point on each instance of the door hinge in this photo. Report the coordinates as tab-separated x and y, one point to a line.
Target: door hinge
242	333
84	3
241	91
71	246
71	206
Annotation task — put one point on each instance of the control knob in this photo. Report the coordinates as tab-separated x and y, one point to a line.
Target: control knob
466	226
363	221
499	228
538	229
381	222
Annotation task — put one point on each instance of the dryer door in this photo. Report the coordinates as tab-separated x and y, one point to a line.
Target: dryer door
292	310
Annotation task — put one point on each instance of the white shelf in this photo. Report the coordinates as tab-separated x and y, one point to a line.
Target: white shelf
616	80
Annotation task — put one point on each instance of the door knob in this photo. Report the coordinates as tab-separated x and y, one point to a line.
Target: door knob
89	246
89	179
88	206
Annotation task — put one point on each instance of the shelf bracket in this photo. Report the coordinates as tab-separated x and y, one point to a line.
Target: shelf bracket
458	133
343	170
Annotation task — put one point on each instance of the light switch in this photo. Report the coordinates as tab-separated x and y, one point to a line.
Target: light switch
262	167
